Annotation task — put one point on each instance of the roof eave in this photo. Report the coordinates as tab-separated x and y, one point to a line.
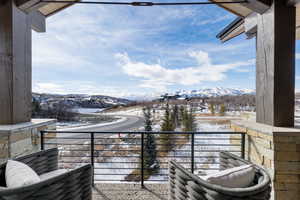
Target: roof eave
234	29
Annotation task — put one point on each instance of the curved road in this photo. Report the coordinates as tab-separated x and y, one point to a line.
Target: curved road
130	123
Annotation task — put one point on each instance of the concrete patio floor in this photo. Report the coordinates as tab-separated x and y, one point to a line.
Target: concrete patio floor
123	191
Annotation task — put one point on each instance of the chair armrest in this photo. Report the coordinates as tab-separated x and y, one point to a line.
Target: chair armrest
41	162
186	185
75	184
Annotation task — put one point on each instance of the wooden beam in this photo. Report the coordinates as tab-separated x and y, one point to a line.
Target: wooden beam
26	4
38	21
258	6
15	65
275	67
293	2
29	5
250	24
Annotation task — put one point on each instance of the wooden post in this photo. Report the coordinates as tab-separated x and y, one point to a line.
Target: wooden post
15	63
275	71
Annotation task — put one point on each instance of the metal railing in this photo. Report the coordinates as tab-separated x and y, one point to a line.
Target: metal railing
122	156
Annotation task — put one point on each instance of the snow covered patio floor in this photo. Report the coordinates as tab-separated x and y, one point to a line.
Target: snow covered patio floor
123	191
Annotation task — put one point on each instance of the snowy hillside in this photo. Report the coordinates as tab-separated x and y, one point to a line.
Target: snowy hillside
214	92
208	92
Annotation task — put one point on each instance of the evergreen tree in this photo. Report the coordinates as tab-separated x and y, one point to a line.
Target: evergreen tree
175	116
165	139
147	117
212	108
222	109
36	108
150	161
192	120
181	112
189	122
167	120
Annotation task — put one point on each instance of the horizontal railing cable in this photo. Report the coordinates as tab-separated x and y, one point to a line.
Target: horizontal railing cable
124	156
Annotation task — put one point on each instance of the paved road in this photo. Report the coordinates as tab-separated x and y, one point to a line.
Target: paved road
129	124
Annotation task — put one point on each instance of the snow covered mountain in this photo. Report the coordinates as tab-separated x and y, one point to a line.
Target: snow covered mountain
209	92
79	100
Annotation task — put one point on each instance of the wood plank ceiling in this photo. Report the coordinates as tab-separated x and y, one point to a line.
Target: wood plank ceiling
52	8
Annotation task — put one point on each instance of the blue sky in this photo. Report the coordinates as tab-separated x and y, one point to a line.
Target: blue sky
134	51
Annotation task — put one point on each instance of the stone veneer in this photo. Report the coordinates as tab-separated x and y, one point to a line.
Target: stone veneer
278	150
23	138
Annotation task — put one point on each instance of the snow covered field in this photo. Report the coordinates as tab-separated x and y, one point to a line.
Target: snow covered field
88	110
72	125
114	165
119	158
87	125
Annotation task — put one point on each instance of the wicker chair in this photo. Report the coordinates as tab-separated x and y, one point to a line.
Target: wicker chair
185	185
73	185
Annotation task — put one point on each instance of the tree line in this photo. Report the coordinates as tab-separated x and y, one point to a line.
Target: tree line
175	117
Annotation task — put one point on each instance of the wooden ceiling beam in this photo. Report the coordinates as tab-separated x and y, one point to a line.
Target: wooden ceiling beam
29	5
250	24
38	21
293	2
258	6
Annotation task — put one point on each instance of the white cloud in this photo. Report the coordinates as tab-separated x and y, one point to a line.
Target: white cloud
297	55
81	42
157	76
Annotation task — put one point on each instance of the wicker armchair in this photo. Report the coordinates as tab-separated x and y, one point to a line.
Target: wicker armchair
185	185
73	185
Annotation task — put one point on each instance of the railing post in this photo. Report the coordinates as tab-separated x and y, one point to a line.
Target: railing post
42	141
192	152
243	137
92	155
142	160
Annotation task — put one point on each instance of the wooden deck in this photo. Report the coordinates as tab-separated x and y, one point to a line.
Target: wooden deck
123	191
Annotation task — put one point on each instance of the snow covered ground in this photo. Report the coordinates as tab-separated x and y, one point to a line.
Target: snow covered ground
86	125
207	144
72	125
88	110
133	112
120	165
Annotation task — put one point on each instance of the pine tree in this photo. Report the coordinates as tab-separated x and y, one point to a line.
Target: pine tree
36	108
189	122
192	120
175	116
181	113
167	121
147	117
167	126
222	109
212	108
150	152
150	160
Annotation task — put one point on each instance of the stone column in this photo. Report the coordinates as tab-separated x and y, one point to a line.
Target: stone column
275	67
278	151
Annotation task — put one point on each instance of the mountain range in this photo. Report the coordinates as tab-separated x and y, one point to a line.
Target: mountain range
101	101
214	92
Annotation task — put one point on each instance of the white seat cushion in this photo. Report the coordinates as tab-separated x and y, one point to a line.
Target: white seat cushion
237	177
52	174
18	174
